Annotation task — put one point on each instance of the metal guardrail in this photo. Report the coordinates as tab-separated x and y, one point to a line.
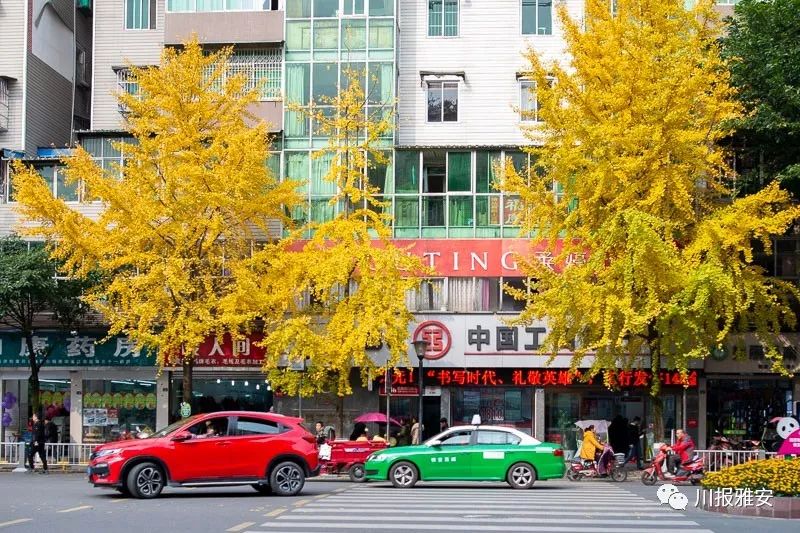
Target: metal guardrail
715	460
58	454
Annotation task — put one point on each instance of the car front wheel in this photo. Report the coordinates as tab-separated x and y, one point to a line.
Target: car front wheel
287	479
521	476
146	480
403	475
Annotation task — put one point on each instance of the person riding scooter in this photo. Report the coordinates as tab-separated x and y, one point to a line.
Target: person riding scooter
683	448
590	444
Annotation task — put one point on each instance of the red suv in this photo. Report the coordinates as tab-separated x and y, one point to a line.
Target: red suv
271	452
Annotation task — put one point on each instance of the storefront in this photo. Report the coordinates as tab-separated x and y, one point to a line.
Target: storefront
479	364
94	391
743	394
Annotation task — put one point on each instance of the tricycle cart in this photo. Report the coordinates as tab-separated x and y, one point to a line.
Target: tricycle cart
341	457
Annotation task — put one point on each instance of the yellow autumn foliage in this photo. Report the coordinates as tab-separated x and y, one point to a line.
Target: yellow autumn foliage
630	142
180	215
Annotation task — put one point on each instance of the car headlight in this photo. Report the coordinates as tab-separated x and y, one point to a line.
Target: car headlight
105	453
376	457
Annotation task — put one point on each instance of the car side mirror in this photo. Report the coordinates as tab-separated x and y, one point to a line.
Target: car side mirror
434	443
181	436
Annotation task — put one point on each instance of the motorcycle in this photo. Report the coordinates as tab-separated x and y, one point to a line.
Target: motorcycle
689	473
579	468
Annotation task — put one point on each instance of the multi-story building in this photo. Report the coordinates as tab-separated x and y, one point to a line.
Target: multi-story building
457	70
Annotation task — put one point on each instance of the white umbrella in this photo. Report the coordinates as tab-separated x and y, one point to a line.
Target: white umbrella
600	426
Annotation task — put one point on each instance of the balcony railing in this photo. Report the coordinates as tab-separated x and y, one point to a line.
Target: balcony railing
206	6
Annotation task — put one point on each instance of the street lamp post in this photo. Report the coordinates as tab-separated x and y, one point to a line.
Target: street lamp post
419	347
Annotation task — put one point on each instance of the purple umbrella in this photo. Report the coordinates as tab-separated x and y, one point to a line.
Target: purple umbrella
380	418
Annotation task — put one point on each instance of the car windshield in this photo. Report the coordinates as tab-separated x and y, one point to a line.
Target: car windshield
172	428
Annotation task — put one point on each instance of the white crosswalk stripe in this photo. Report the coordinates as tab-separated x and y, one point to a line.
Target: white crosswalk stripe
587	508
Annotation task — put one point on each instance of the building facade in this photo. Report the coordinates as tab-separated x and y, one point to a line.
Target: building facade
457	71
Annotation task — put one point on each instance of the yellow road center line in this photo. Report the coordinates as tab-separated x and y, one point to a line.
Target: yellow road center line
275	512
301	503
17	521
81	508
243	525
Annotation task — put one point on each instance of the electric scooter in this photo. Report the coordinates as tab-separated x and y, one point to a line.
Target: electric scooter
579	469
689	473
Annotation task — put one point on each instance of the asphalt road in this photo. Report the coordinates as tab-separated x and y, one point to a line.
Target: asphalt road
65	503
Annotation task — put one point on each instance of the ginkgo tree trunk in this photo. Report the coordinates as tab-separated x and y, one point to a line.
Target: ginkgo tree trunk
181	213
340	285
628	139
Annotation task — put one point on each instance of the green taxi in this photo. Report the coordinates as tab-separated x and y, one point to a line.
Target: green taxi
470	453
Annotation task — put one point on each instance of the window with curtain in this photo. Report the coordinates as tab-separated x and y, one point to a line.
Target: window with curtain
325	82
406	211
381	8
460	211
380	174
325	8
442	18
381	83
485	170
140	14
429	296
537	17
459	171
354	7
326	34
381	34
322	210
298	91
433	211
297	168
527	101
320	167
407	171
354	34
487	210
473	294
298	35
181	6
298	8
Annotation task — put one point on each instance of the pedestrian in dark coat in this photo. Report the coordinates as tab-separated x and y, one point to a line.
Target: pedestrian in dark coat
618	434
37	444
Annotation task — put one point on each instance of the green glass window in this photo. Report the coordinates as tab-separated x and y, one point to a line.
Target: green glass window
325	8
407	171
65	191
140	14
460	211
406	211
487	210
298	8
519	160
326	34
537	17
297	168
297	83
298	35
485	164
442	18
459	171
320	167
354	34
381	83
325	82
380	173
274	165
381	8
354	7
433	210
322	210
381	34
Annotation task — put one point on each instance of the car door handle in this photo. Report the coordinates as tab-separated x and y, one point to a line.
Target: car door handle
223	444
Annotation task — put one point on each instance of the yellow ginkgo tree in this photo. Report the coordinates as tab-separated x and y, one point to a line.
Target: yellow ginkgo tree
181	213
628	172
333	289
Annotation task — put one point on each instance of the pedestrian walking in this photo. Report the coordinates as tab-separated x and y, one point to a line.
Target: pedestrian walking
37	444
443	425
635	433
